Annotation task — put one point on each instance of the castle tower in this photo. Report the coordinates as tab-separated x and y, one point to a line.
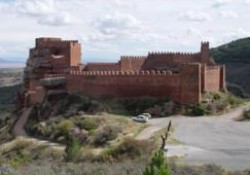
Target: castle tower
205	54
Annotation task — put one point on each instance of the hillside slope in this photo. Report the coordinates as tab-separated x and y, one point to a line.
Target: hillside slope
236	56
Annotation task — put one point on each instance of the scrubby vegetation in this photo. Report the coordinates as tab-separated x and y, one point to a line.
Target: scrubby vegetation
136	106
235	55
214	103
8	95
246	114
72	149
95	130
158	165
235	51
7	118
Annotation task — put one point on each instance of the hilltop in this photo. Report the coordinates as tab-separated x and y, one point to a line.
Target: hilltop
236	56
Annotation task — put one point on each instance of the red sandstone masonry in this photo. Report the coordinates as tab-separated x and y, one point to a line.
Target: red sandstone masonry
124	84
132	76
137	83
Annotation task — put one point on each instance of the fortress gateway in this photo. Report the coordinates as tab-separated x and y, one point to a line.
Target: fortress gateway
55	64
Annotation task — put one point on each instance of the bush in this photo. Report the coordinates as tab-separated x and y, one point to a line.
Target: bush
64	126
107	133
200	109
72	150
88	124
246	114
217	96
139	105
158	165
20	159
131	148
233	101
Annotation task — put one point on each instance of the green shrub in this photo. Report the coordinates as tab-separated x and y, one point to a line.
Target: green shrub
139	105
88	123
72	150
131	148
64	126
107	133
232	100
158	165
200	109
217	96
246	114
19	159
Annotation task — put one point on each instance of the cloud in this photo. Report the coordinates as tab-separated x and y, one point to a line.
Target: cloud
117	26
197	16
237	34
60	19
117	23
221	3
45	12
124	4
193	31
35	7
1	50
229	14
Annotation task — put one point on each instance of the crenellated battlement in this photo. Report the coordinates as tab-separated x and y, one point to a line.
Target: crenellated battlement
133	57
101	64
109	73
172	54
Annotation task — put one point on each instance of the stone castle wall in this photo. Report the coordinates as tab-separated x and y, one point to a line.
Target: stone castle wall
182	77
184	87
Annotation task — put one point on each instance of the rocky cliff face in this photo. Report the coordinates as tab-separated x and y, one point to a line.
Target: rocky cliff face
36	84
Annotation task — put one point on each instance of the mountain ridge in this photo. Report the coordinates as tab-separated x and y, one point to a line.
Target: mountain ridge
236	56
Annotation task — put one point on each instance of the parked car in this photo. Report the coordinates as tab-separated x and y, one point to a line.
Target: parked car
140	118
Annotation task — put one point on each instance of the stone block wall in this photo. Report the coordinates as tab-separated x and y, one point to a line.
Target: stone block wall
182	77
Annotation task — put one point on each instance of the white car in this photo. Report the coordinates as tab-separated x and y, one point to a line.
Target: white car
140	118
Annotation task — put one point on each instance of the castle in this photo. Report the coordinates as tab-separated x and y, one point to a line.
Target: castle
55	64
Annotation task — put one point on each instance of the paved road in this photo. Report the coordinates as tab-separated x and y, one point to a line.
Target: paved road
19	125
21	134
213	139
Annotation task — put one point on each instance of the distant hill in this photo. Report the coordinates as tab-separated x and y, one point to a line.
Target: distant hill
4	63
236	56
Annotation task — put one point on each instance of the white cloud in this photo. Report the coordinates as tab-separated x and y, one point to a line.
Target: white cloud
221	3
117	26
57	19
198	16
35	7
124	4
229	14
193	31
45	12
117	23
237	34
1	50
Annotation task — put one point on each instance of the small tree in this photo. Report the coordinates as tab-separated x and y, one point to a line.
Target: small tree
158	165
72	149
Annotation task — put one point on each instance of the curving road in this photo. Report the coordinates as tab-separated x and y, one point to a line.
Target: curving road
21	134
211	139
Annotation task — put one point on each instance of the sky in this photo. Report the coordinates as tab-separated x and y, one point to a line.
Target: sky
108	29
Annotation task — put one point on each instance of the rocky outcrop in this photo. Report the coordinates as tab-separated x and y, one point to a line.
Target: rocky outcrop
52	82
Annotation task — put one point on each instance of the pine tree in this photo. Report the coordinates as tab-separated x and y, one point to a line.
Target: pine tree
72	149
158	165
